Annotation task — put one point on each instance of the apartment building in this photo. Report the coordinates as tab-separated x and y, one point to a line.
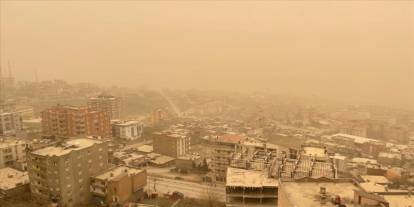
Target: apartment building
224	149
107	103
61	173
12	150
69	121
128	130
118	185
10	123
13	182
171	144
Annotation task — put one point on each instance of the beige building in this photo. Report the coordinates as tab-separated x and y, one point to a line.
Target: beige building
10	123
170	144
62	173
109	104
118	185
13	182
127	130
12	150
224	149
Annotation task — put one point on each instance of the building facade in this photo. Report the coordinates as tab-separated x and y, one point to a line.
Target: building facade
10	123
128	130
224	149
67	121
12	150
109	104
172	145
118	185
61	173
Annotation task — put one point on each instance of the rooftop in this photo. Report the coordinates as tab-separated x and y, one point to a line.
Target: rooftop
249	178
117	172
306	194
315	151
230	138
356	139
10	141
399	200
67	147
11	178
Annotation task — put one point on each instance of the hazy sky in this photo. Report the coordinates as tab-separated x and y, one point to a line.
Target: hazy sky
354	50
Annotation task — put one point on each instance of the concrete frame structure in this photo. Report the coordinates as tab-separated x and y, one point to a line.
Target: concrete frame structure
250	188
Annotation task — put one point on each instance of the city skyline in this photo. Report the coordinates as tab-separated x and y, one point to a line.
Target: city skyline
358	51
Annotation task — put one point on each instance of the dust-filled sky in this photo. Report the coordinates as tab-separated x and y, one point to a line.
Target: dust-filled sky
347	50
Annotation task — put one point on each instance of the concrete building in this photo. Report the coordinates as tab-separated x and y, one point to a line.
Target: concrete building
61	173
128	130
224	149
109	104
13	182
253	188
10	123
118	185
311	161
68	121
170	144
309	192
12	150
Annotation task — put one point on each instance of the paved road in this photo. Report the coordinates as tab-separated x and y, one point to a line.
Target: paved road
189	189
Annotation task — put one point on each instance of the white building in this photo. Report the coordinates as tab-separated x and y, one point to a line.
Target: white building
10	123
129	130
11	151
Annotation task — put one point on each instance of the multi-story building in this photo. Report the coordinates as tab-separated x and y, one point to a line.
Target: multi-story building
12	150
224	148
13	182
253	188
10	123
118	185
68	121
61	173
171	144
109	104
128	130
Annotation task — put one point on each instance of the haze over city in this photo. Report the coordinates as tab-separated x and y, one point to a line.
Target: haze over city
359	50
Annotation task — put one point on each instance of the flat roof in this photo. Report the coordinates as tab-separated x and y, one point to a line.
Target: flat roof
145	148
357	139
11	178
10	141
399	200
375	179
306	194
249	178
229	138
314	151
117	172
67	147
